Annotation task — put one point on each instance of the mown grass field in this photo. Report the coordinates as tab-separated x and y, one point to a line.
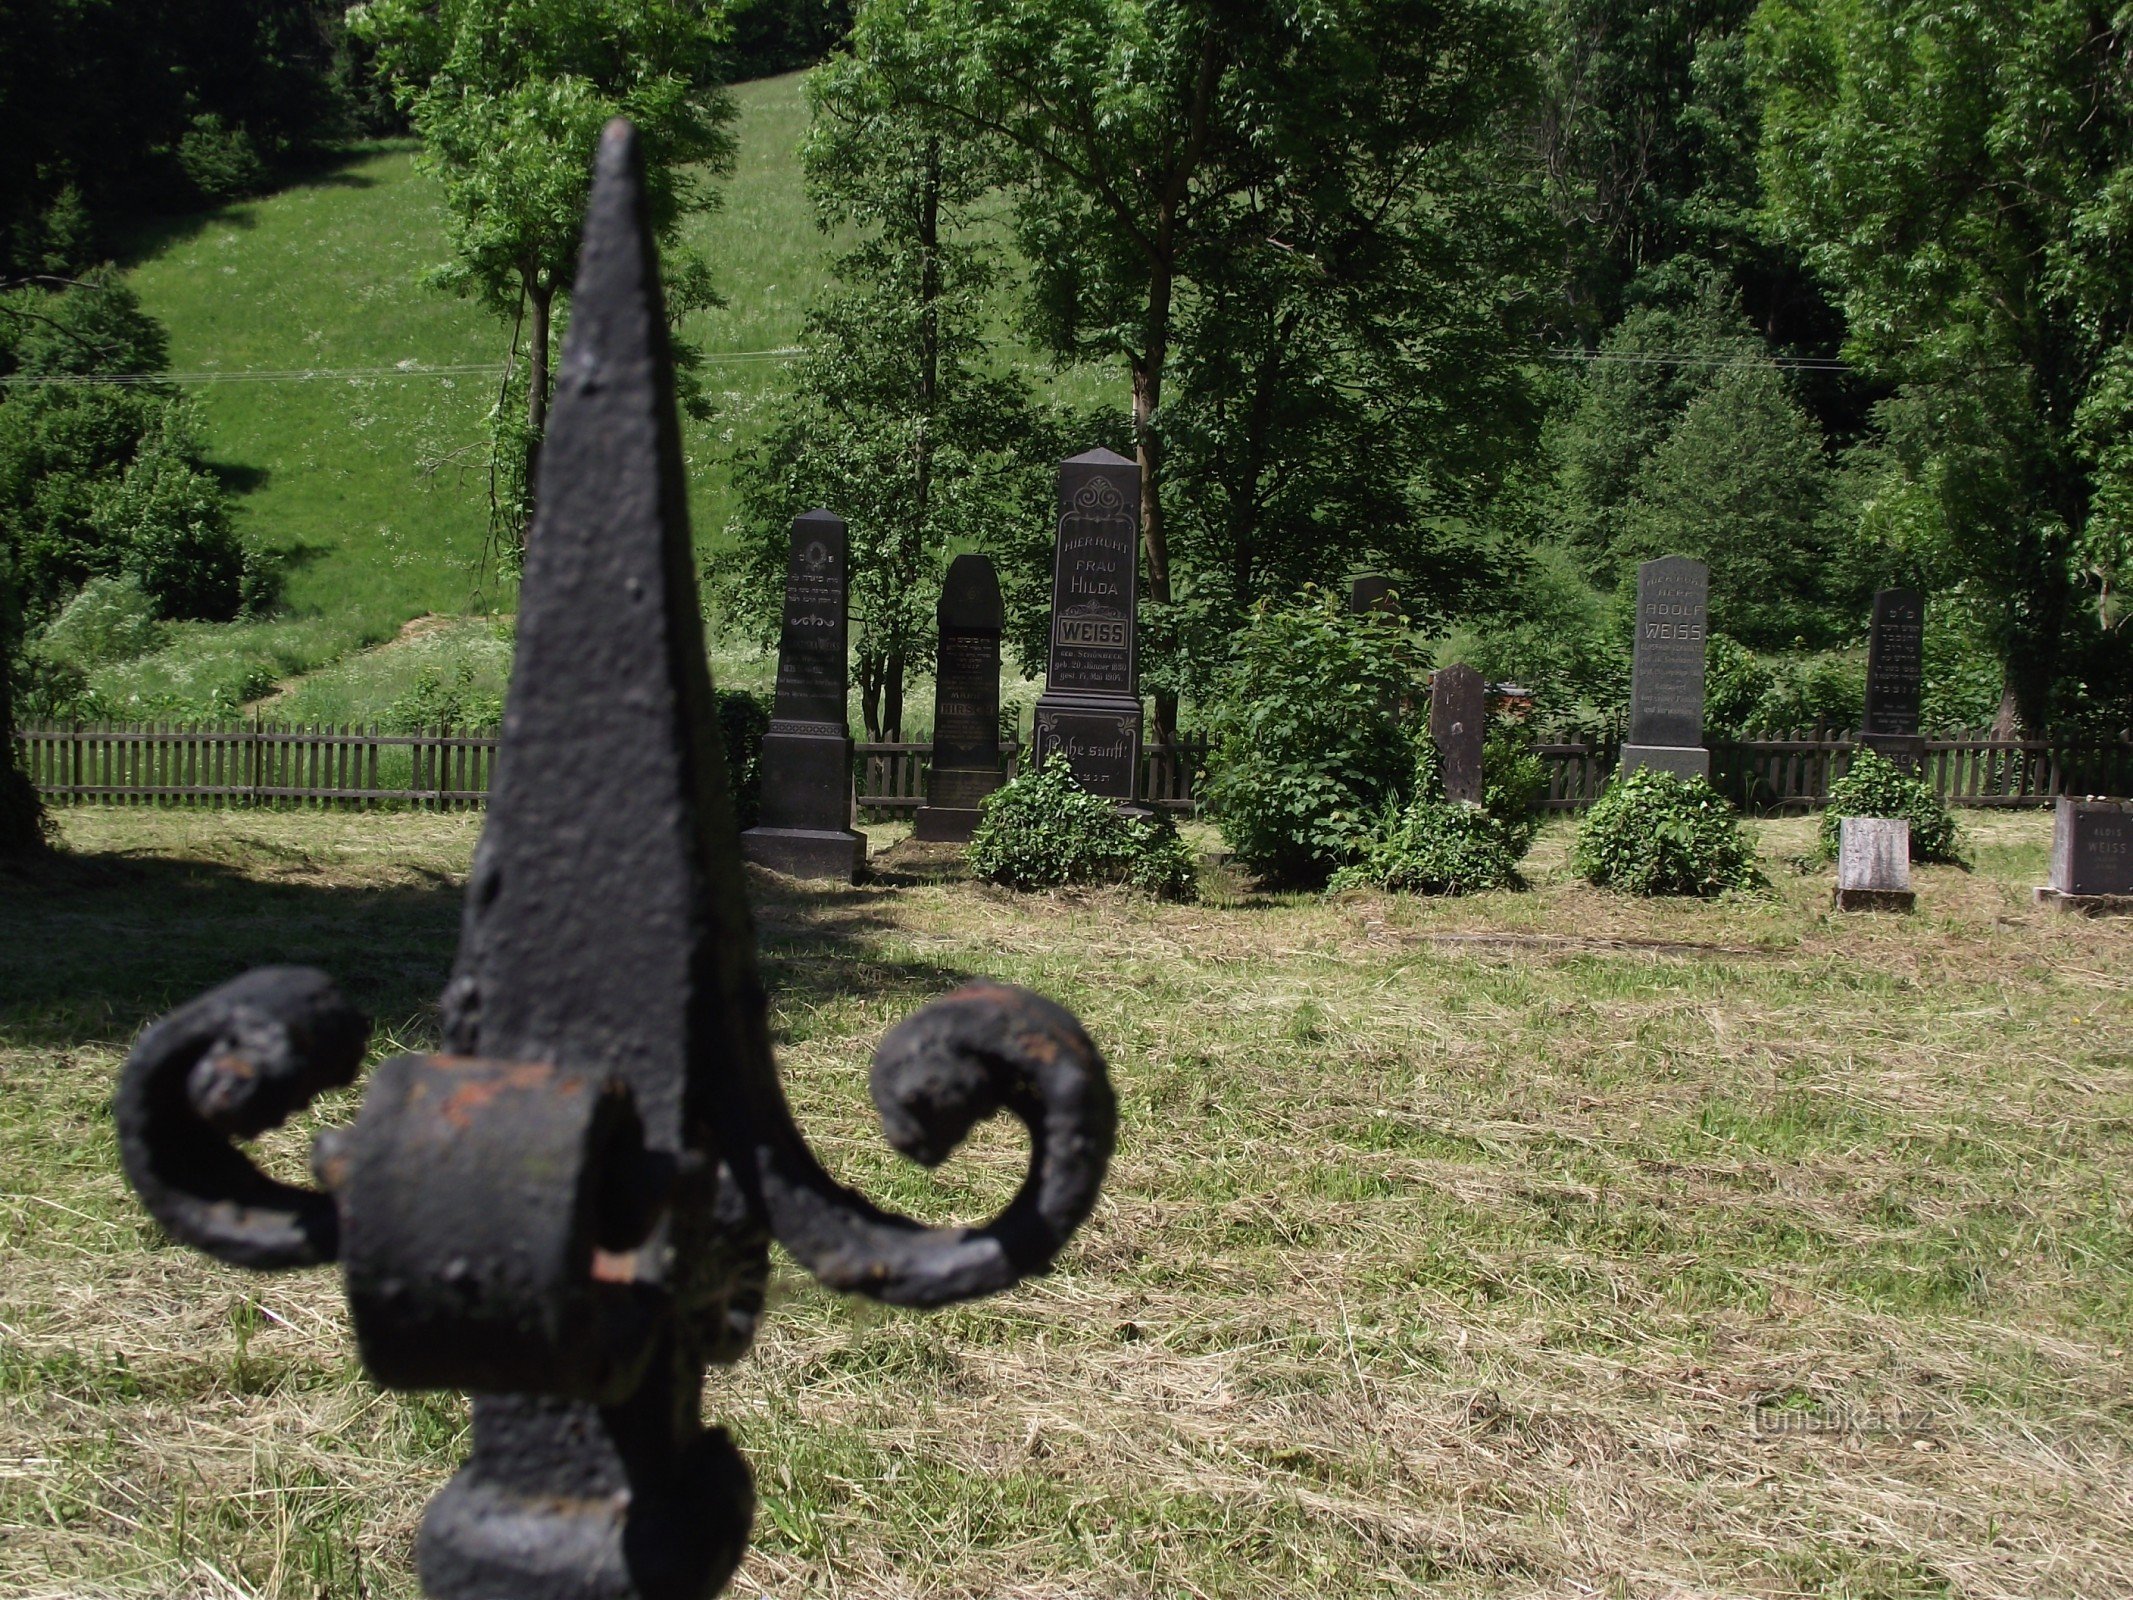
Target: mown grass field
1538	1244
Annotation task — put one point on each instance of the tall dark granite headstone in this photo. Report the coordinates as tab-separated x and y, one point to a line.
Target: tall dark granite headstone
1895	662
2092	856
1458	711
806	811
966	702
1375	595
1666	675
1090	710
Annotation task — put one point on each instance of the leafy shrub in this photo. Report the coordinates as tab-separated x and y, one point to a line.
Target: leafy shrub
1306	749
743	719
220	161
112	619
1432	845
1734	683
440	698
1658	833
1875	786
1042	830
1513	784
171	520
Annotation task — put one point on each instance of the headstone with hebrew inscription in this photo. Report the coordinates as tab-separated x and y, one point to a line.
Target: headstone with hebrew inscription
805	827
1090	710
1895	663
1666	675
1458	711
2092	856
966	702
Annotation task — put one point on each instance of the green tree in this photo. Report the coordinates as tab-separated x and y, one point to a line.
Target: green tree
895	420
1741	484
509	97
1133	133
1963	176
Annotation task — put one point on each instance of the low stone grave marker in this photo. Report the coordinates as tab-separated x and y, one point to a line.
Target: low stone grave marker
1874	864
2092	857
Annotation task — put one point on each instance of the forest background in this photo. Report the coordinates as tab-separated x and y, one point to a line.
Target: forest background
1499	297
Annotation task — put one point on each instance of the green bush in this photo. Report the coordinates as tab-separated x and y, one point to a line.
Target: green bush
444	698
221	161
743	719
1876	787
1306	749
112	619
1432	845
1657	833
1042	830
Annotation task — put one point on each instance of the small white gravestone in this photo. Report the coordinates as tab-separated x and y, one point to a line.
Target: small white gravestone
1874	864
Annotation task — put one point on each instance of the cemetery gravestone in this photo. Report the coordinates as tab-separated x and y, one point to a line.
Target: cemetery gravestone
1874	864
1374	596
1090	710
2092	857
1458	711
1666	675
1895	658
806	809
966	702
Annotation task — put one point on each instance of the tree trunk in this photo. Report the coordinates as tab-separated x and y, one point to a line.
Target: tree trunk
540	296
1148	451
892	696
21	813
869	666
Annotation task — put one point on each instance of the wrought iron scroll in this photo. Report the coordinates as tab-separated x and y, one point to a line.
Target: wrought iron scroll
568	1211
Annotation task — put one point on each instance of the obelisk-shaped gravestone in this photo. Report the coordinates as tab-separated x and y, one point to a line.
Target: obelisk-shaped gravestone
806	811
1090	710
1895	667
1666	674
966	702
1458	710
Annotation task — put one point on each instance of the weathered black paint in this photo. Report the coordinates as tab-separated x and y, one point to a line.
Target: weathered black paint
569	1212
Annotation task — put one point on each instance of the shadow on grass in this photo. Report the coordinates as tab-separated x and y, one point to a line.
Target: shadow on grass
325	169
97	946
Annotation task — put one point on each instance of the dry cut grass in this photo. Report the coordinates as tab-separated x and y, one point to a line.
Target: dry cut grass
1544	1244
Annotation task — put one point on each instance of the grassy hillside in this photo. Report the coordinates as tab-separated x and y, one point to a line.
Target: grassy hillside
358	457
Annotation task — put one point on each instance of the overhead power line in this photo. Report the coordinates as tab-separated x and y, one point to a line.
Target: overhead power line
405	369
1679	358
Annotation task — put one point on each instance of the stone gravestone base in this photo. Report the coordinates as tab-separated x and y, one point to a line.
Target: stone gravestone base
1686	761
806	809
1874	864
2092	858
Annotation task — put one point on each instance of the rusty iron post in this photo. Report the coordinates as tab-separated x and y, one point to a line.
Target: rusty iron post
568	1211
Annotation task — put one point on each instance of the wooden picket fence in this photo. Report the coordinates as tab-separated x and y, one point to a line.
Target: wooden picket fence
449	768
1793	771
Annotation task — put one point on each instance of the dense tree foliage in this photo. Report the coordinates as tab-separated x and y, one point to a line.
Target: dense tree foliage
509	97
113	107
1274	158
1963	175
895	419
